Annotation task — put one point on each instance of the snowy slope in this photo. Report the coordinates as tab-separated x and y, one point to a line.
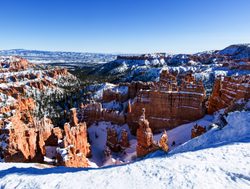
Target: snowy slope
240	51
98	137
238	129
221	167
222	162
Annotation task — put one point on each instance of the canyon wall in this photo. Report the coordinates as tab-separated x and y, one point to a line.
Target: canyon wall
94	112
227	90
167	104
26	138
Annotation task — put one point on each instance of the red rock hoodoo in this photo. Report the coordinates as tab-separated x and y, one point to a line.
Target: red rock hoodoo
197	130
114	143
75	147
163	142
145	141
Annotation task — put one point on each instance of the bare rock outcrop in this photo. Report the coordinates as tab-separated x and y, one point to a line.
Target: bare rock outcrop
90	113
73	117
174	104
21	141
94	111
124	142
75	147
118	93
136	86
163	142
197	130
117	142
58	72
227	90
145	141
167	104
112	140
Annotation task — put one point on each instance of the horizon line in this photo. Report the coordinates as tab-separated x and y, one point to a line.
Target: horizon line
115	53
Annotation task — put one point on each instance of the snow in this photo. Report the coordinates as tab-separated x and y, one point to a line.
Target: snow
122	68
220	167
98	137
121	89
182	133
50	153
229	50
3	144
219	158
99	88
63	152
112	105
49	57
237	130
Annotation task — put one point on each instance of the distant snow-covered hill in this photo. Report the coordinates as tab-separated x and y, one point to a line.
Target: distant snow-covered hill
241	51
36	56
233	60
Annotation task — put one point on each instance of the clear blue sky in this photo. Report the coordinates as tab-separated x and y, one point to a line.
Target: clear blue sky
132	26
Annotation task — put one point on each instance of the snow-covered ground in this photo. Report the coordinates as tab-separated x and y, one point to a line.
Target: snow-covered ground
98	137
221	167
218	159
97	89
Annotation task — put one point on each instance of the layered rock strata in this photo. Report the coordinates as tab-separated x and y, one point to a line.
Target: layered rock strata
167	104
94	112
227	90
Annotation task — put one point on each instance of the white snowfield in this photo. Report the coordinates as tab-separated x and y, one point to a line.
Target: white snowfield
219	159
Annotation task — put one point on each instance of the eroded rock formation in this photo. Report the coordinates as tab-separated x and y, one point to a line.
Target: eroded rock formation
145	141
117	142
25	138
124	142
112	140
163	142
75	147
136	86
197	130
167	104
15	64
94	111
21	141
119	93
227	90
